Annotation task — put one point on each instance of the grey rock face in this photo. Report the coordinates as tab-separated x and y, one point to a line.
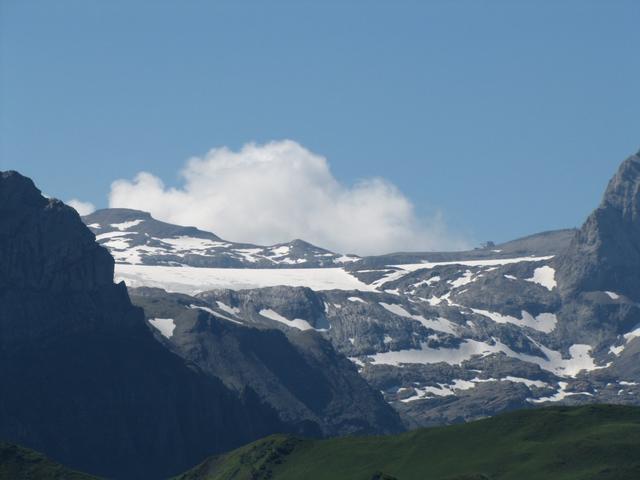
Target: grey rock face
298	373
70	260
605	254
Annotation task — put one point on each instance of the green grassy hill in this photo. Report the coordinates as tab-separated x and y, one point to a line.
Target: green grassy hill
600	442
18	463
561	443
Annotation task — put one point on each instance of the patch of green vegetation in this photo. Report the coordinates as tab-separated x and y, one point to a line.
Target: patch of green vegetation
24	464
255	461
560	443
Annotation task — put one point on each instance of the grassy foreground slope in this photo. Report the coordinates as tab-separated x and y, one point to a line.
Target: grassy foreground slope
600	442
24	464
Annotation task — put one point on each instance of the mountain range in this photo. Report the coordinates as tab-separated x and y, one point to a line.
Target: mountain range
445	336
203	345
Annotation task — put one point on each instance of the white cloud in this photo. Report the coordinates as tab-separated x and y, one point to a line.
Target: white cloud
83	208
279	191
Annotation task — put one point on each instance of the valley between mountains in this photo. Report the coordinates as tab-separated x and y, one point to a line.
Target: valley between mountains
131	348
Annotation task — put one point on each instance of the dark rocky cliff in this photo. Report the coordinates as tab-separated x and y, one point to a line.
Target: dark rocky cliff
82	377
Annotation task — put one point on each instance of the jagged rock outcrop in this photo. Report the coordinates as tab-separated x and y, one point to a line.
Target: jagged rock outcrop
605	253
82	377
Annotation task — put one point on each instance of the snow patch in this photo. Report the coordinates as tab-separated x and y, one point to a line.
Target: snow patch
226	308
356	299
102	236
545	276
463	280
193	244
164	325
117	243
526	381
296	322
442	390
357	361
280	251
544	322
627	338
439	324
560	394
215	314
126	225
346	259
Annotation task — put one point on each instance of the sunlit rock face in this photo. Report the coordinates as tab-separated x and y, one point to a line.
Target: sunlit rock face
605	253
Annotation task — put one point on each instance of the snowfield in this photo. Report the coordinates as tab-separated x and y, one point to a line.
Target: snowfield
193	280
165	326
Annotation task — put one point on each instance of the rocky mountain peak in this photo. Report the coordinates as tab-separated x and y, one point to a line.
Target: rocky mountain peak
605	253
122	214
16	189
44	244
623	191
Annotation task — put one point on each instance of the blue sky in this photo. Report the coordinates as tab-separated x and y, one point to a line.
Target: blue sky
507	117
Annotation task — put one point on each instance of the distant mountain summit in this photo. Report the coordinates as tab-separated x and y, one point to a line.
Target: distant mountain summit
605	253
135	237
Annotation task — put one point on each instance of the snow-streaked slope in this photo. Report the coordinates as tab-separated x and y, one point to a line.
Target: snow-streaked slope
405	269
135	237
553	361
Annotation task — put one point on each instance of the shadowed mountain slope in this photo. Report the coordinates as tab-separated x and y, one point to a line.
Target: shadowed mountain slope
21	463
82	377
